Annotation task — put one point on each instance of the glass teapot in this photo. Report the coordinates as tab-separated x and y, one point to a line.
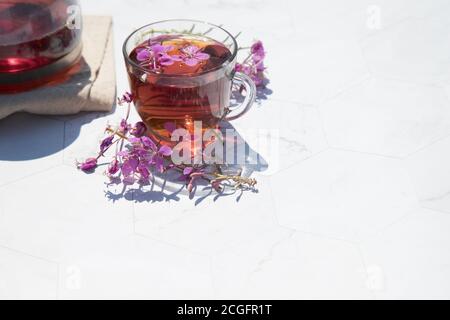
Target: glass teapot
39	41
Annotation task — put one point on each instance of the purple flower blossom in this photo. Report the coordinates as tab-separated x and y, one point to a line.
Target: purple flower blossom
216	185
88	165
148	143
158	157
191	55
106	143
159	49
113	167
166	60
187	171
243	68
254	66
144	172
129	166
190	175
139	129
143	55
124	127
147	154
258	51
126	98
258	78
165	151
155	56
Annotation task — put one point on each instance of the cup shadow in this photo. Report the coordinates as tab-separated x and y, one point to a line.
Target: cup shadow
168	187
25	136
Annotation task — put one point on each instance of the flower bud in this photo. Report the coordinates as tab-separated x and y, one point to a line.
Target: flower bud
139	129
126	98
88	165
106	143
113	167
216	185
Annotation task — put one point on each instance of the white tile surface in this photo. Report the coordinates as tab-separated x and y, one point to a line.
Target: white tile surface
60	214
136	268
413	50
431	176
360	107
387	117
343	195
212	225
411	258
306	71
284	265
26	277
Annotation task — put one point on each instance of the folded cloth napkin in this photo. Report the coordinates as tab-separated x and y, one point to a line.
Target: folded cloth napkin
91	85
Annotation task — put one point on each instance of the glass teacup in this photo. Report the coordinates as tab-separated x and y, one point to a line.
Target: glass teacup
181	72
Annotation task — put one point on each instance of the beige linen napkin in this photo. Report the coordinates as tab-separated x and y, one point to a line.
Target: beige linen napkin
91	88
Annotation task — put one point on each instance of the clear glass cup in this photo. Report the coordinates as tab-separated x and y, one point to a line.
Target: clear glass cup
167	101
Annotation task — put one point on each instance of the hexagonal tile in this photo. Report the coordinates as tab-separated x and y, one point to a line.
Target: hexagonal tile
412	258
25	277
349	18
343	195
290	265
61	213
429	171
209	225
136	268
415	49
29	144
296	132
311	71
387	117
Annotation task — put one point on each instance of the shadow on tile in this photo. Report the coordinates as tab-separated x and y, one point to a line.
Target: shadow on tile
26	136
168	186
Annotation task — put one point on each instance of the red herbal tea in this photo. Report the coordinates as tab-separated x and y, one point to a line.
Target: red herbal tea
36	42
171	95
181	73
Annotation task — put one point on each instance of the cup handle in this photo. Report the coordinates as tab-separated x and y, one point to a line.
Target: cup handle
242	79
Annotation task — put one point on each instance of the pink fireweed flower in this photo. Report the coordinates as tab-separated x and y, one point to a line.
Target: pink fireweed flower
192	55
190	176
113	167
216	185
158	157
258	78
129	167
243	68
106	143
254	66
147	143
126	98
258	51
155	56
124	127
88	165
139	129
148	152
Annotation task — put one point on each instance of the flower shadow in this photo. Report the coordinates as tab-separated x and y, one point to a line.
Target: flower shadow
167	187
262	93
